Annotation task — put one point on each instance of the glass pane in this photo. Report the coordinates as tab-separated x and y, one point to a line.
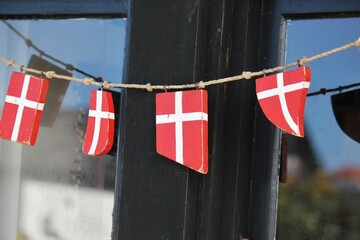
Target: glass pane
53	190
321	197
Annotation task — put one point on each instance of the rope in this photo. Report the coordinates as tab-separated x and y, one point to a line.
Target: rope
42	53
202	84
324	91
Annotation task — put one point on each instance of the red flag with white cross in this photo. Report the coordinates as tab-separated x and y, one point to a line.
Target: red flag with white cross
182	128
24	104
282	98
99	136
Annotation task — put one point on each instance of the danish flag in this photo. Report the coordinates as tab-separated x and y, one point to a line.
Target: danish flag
282	98
182	128
99	136
24	104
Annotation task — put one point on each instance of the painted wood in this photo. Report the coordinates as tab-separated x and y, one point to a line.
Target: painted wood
153	192
192	41
282	98
99	136
48	9
182	128
300	9
24	104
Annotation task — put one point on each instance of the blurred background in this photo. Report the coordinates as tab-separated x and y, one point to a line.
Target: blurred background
52	190
321	198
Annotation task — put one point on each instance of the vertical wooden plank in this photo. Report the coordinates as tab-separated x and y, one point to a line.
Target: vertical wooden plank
187	42
251	198
265	164
209	204
156	197
240	98
283	159
235	206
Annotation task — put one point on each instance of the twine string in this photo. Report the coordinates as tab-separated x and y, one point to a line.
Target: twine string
246	75
42	53
324	91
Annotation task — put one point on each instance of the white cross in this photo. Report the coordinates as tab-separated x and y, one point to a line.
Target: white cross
22	102
178	118
98	114
280	91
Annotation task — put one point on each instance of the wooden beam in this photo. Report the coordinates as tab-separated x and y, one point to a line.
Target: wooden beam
62	9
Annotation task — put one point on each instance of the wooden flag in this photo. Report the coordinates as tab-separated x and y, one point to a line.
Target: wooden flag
24	104
182	128
282	98
99	135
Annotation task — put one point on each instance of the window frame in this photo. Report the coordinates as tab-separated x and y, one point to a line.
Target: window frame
43	9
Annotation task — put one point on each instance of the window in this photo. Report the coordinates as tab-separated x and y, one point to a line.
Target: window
53	190
320	198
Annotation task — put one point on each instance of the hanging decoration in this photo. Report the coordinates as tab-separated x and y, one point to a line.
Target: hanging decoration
99	134
181	117
282	98
199	85
182	128
24	104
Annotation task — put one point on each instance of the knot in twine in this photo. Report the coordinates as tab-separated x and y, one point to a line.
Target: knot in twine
264	72
70	67
10	62
149	87
200	85
88	81
105	84
28	42
49	74
357	42
303	61
247	75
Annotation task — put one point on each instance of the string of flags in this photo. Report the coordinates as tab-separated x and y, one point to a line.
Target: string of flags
181	116
199	85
